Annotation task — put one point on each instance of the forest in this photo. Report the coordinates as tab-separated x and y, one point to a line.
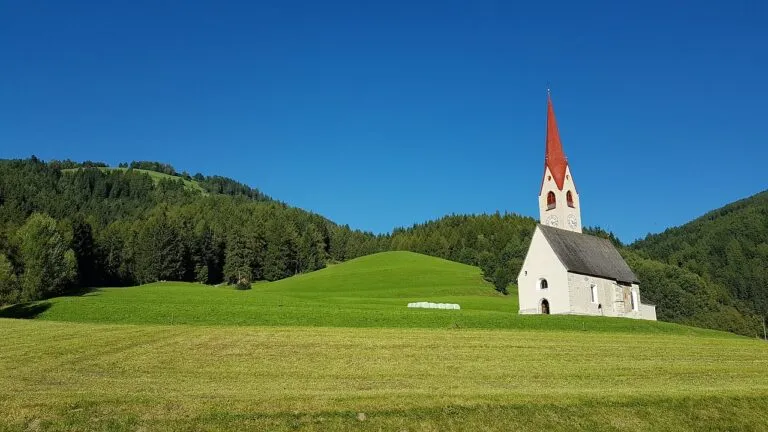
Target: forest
67	226
727	247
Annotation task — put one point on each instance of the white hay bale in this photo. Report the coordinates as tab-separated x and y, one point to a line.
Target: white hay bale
430	305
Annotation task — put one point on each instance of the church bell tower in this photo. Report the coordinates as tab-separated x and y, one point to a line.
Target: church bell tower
558	199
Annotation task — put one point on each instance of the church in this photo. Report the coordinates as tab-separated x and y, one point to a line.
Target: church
566	271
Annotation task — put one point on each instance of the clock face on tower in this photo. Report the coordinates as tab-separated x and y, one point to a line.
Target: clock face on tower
572	221
552	221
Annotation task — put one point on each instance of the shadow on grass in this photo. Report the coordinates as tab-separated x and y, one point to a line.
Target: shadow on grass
24	310
81	292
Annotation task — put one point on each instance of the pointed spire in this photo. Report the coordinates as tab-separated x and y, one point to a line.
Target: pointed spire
554	158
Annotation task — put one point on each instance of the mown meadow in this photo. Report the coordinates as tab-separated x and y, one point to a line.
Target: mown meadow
75	376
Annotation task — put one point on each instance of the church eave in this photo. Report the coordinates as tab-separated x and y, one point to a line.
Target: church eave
582	273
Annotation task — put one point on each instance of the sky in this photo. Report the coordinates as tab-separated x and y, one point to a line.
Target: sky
389	113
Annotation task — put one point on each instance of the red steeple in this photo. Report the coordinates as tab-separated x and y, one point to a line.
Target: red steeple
554	158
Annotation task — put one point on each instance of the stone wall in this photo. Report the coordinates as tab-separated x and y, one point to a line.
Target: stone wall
613	299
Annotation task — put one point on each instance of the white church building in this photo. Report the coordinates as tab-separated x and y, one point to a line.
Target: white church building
566	271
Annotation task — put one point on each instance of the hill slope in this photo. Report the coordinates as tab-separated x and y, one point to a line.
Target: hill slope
728	246
371	291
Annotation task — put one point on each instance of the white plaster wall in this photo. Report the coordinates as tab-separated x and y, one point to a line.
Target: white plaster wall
647	312
561	210
541	262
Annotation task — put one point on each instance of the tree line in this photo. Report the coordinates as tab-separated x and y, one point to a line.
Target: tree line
63	231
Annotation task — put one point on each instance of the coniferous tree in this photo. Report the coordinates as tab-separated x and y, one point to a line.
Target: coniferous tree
209	257
239	260
160	253
85	253
311	250
280	257
339	243
116	259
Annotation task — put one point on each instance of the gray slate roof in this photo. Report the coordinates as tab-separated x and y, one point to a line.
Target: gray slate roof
588	255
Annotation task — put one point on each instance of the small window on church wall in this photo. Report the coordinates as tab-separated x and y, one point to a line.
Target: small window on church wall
569	198
633	299
543	284
593	294
551	201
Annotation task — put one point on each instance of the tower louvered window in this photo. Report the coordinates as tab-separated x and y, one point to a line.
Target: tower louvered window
551	201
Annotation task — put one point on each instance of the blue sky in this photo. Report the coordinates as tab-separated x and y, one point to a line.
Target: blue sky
385	114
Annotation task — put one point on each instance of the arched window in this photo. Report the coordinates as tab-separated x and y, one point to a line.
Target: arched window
545	307
634	301
569	199
551	201
543	284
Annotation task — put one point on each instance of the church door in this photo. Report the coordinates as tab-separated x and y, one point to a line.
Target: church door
545	307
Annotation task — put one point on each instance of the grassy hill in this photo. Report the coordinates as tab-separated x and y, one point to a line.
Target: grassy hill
370	291
156	177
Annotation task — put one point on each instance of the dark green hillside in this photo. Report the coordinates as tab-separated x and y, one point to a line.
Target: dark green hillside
728	246
64	226
684	297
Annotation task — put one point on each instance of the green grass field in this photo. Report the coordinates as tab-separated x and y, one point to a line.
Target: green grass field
156	177
338	350
371	291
